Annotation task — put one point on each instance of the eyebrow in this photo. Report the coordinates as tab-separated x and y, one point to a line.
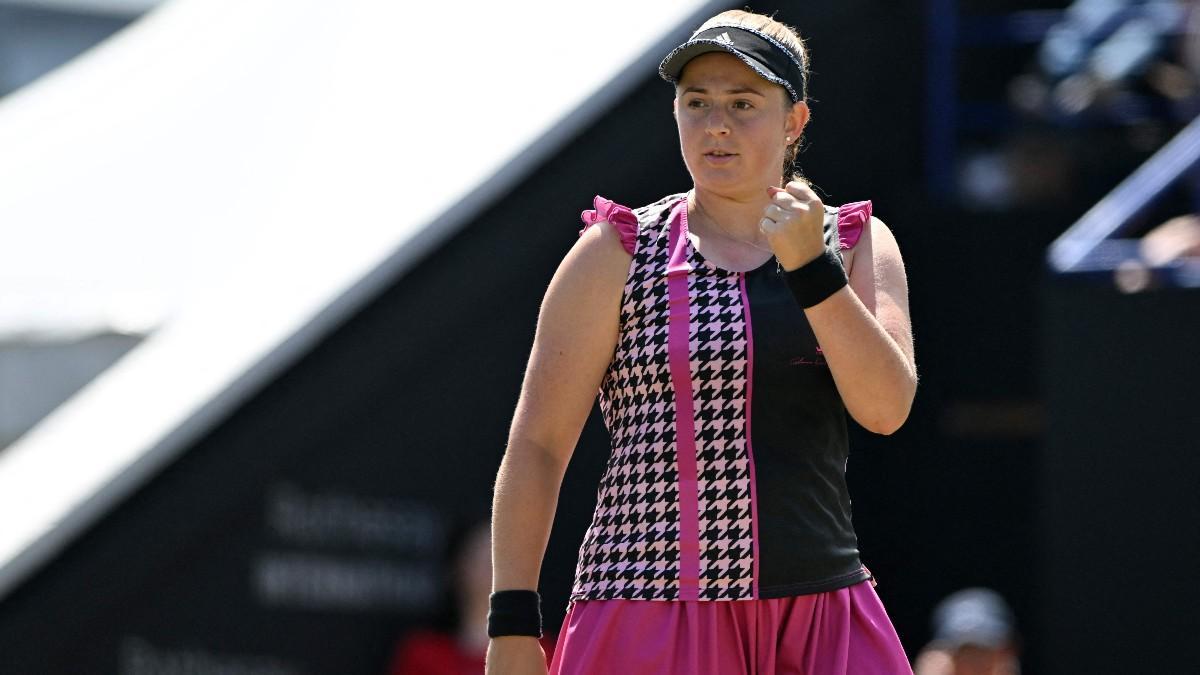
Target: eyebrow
735	90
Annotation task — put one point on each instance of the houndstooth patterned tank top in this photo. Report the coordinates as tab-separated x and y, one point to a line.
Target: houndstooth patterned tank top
726	477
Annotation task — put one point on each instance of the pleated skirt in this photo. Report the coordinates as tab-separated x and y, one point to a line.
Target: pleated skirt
842	632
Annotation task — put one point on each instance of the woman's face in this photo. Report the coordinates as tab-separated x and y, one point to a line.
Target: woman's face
732	125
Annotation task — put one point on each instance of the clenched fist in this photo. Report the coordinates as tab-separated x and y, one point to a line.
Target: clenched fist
794	224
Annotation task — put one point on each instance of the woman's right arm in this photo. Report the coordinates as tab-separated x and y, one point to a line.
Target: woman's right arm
572	348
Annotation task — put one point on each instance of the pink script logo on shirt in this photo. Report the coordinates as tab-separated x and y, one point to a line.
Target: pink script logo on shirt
818	360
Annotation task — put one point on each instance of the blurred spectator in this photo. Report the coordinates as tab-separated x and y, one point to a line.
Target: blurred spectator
1122	76
1119	60
461	649
1030	168
973	634
1175	239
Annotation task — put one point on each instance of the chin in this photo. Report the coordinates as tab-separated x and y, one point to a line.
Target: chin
727	179
729	183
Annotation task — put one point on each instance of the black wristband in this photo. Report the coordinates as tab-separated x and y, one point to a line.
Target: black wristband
813	282
515	613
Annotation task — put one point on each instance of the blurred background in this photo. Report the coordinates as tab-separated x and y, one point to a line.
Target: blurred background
269	273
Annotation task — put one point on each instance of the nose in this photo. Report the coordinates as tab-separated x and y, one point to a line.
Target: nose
715	122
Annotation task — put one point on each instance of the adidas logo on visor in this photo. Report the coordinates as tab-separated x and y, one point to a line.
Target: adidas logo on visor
724	38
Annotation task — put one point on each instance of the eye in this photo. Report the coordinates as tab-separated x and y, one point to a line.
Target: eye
694	103
742	105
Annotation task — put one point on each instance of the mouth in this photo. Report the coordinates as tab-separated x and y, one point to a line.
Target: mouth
719	153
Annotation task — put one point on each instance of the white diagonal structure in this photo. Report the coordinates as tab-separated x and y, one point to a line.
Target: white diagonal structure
262	167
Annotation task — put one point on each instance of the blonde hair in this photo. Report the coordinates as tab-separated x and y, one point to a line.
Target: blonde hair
787	36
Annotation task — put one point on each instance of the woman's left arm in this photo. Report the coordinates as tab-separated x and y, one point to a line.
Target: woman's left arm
865	333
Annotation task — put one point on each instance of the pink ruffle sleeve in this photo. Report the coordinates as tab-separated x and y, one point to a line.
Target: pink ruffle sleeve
620	217
852	218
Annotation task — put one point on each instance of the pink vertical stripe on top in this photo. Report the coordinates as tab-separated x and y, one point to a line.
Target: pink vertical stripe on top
685	422
749	445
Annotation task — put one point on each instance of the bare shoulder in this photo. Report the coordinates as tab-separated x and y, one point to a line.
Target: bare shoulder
882	236
582	303
885	252
876	241
598	259
604	237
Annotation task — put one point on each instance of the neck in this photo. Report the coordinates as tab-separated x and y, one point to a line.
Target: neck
731	216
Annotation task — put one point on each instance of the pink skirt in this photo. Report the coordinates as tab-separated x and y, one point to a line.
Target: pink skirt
842	632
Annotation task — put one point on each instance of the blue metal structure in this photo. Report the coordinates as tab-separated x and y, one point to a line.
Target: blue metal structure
1094	243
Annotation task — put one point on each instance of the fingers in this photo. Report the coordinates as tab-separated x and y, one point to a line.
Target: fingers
797	189
801	191
797	203
775	217
785	204
768	226
796	193
776	212
793	223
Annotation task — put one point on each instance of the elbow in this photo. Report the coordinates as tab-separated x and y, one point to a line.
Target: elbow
886	420
524	454
886	426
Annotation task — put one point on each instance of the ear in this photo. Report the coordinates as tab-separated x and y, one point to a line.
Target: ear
797	119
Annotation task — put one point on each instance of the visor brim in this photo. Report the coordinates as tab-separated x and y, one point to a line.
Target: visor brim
671	68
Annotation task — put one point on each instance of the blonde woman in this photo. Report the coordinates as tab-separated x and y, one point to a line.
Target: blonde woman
728	330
